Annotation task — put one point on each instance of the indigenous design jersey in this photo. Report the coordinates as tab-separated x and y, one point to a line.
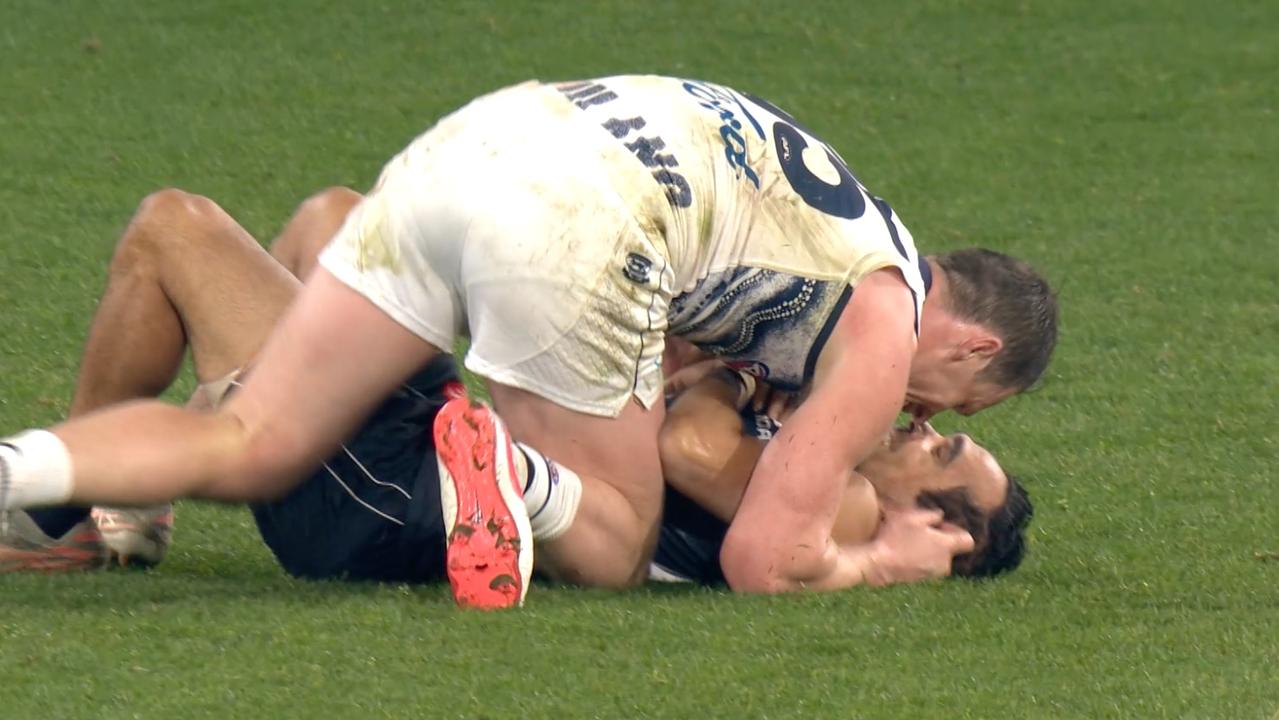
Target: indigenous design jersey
765	227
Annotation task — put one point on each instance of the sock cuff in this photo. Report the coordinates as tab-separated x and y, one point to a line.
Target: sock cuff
38	471
553	495
534	465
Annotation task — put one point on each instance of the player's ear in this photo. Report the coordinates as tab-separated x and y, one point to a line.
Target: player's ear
983	346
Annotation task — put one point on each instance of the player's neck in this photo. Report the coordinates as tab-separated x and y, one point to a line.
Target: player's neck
936	323
939	286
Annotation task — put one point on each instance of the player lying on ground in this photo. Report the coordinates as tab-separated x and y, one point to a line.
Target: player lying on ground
184	268
566	229
713	436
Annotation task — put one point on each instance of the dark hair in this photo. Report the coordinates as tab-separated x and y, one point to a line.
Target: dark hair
1008	297
999	536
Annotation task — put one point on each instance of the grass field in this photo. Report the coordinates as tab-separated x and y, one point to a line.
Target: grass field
1126	148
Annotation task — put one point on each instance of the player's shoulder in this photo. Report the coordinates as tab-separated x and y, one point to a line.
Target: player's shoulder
888	280
883	298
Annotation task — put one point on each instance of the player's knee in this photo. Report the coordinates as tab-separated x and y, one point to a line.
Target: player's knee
172	206
639	566
330	205
635	554
165	220
315	221
620	568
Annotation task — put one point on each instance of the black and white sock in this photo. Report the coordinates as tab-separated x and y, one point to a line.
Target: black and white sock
552	494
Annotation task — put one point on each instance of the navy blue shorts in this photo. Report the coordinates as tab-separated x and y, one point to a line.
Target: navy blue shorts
372	512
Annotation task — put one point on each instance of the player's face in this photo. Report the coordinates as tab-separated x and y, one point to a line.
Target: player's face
916	459
955	386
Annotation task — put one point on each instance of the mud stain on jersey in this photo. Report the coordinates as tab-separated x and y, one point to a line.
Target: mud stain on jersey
705	224
375	249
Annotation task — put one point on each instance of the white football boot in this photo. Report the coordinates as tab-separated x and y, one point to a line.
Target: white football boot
136	536
24	547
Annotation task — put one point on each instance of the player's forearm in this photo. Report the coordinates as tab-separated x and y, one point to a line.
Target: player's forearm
782	533
780	538
852	566
908	557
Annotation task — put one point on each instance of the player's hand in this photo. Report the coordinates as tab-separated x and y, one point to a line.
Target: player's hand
915	544
689	375
774	403
680	353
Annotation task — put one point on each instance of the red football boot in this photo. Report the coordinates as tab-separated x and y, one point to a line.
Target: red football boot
490	544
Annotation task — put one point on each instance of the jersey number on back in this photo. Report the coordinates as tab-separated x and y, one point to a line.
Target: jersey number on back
844	199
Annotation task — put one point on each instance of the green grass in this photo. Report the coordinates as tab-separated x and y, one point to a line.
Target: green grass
1128	149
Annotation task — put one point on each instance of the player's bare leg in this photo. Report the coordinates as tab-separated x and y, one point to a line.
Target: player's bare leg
183	274
183	269
306	392
141	536
612	535
313	224
304	395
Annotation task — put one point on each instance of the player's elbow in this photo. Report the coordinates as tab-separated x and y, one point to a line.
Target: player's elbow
757	560
750	567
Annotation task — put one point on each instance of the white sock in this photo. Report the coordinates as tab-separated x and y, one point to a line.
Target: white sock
35	471
552	494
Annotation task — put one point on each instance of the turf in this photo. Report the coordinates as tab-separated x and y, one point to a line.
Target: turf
1126	148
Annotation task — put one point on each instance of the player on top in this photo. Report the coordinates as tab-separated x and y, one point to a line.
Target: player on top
566	229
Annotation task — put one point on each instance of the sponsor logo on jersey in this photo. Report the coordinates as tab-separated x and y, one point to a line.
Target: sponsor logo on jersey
638	268
730	108
765	427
